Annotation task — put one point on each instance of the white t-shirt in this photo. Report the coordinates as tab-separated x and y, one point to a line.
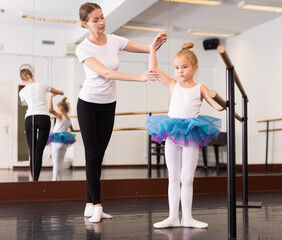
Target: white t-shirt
97	89
35	96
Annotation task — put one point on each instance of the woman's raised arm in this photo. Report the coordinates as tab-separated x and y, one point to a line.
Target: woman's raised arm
141	48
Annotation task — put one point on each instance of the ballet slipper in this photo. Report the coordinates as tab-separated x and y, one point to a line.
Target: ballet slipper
167	223
97	214
192	223
106	216
89	210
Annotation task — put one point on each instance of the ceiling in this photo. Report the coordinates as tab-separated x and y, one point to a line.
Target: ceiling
180	16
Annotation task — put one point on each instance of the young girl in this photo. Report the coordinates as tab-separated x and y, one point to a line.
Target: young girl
37	119
184	131
60	139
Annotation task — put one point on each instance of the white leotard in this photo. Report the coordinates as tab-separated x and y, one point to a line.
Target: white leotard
62	126
185	102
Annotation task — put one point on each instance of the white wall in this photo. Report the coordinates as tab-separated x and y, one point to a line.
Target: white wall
257	56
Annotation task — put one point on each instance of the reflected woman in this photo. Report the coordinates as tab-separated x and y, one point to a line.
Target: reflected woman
37	119
98	54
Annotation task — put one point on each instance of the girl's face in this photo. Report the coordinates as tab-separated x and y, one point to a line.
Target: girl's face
183	69
96	21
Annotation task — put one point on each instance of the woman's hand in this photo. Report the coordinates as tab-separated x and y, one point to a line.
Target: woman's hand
159	40
52	95
149	75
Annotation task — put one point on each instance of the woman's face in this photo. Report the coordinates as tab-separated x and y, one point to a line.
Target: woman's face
96	21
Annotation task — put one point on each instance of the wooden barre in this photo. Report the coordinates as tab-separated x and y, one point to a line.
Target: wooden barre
270	120
226	59
133	113
129	129
215	96
141	112
118	129
271	130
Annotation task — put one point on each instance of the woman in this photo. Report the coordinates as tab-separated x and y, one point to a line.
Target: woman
97	99
37	119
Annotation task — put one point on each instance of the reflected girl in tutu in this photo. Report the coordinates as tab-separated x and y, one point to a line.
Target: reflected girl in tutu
60	138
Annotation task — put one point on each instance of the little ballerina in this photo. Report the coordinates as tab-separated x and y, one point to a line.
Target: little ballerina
184	131
60	138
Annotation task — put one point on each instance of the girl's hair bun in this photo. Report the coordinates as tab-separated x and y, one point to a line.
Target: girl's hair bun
64	99
187	45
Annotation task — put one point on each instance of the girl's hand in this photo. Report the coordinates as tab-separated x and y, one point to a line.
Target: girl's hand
52	95
149	75
159	40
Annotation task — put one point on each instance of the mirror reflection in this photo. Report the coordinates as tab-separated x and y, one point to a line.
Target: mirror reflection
51	78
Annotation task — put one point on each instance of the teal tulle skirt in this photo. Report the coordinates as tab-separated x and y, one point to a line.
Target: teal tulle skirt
200	130
61	137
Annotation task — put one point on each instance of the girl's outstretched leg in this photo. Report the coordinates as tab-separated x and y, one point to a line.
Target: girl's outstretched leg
173	162
189	164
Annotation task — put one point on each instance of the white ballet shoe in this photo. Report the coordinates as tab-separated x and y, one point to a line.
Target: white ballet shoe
192	223
106	216
89	211
97	214
167	223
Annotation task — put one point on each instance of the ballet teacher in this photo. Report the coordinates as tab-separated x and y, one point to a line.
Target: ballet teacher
98	54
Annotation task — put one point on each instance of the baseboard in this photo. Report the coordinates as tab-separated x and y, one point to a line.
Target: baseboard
120	166
257	168
128	188
254	168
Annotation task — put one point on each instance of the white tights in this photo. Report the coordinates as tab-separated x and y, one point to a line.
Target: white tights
181	164
58	155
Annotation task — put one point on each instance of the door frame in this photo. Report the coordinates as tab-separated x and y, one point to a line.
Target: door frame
15	162
10	124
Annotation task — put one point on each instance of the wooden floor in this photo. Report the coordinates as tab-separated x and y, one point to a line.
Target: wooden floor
133	219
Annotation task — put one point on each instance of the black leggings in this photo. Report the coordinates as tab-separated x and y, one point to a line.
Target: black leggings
37	142
96	123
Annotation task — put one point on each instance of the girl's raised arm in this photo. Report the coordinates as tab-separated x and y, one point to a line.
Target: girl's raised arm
153	65
51	108
209	100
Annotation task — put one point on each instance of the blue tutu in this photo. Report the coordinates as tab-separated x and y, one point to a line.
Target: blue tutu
61	137
200	130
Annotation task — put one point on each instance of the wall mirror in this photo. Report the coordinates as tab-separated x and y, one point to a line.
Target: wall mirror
44	34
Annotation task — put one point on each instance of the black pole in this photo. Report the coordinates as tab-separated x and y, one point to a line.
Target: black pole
245	152
231	170
149	153
266	150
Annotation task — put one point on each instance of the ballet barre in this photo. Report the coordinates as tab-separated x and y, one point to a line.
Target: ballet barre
229	106
267	130
133	113
229	65
215	96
